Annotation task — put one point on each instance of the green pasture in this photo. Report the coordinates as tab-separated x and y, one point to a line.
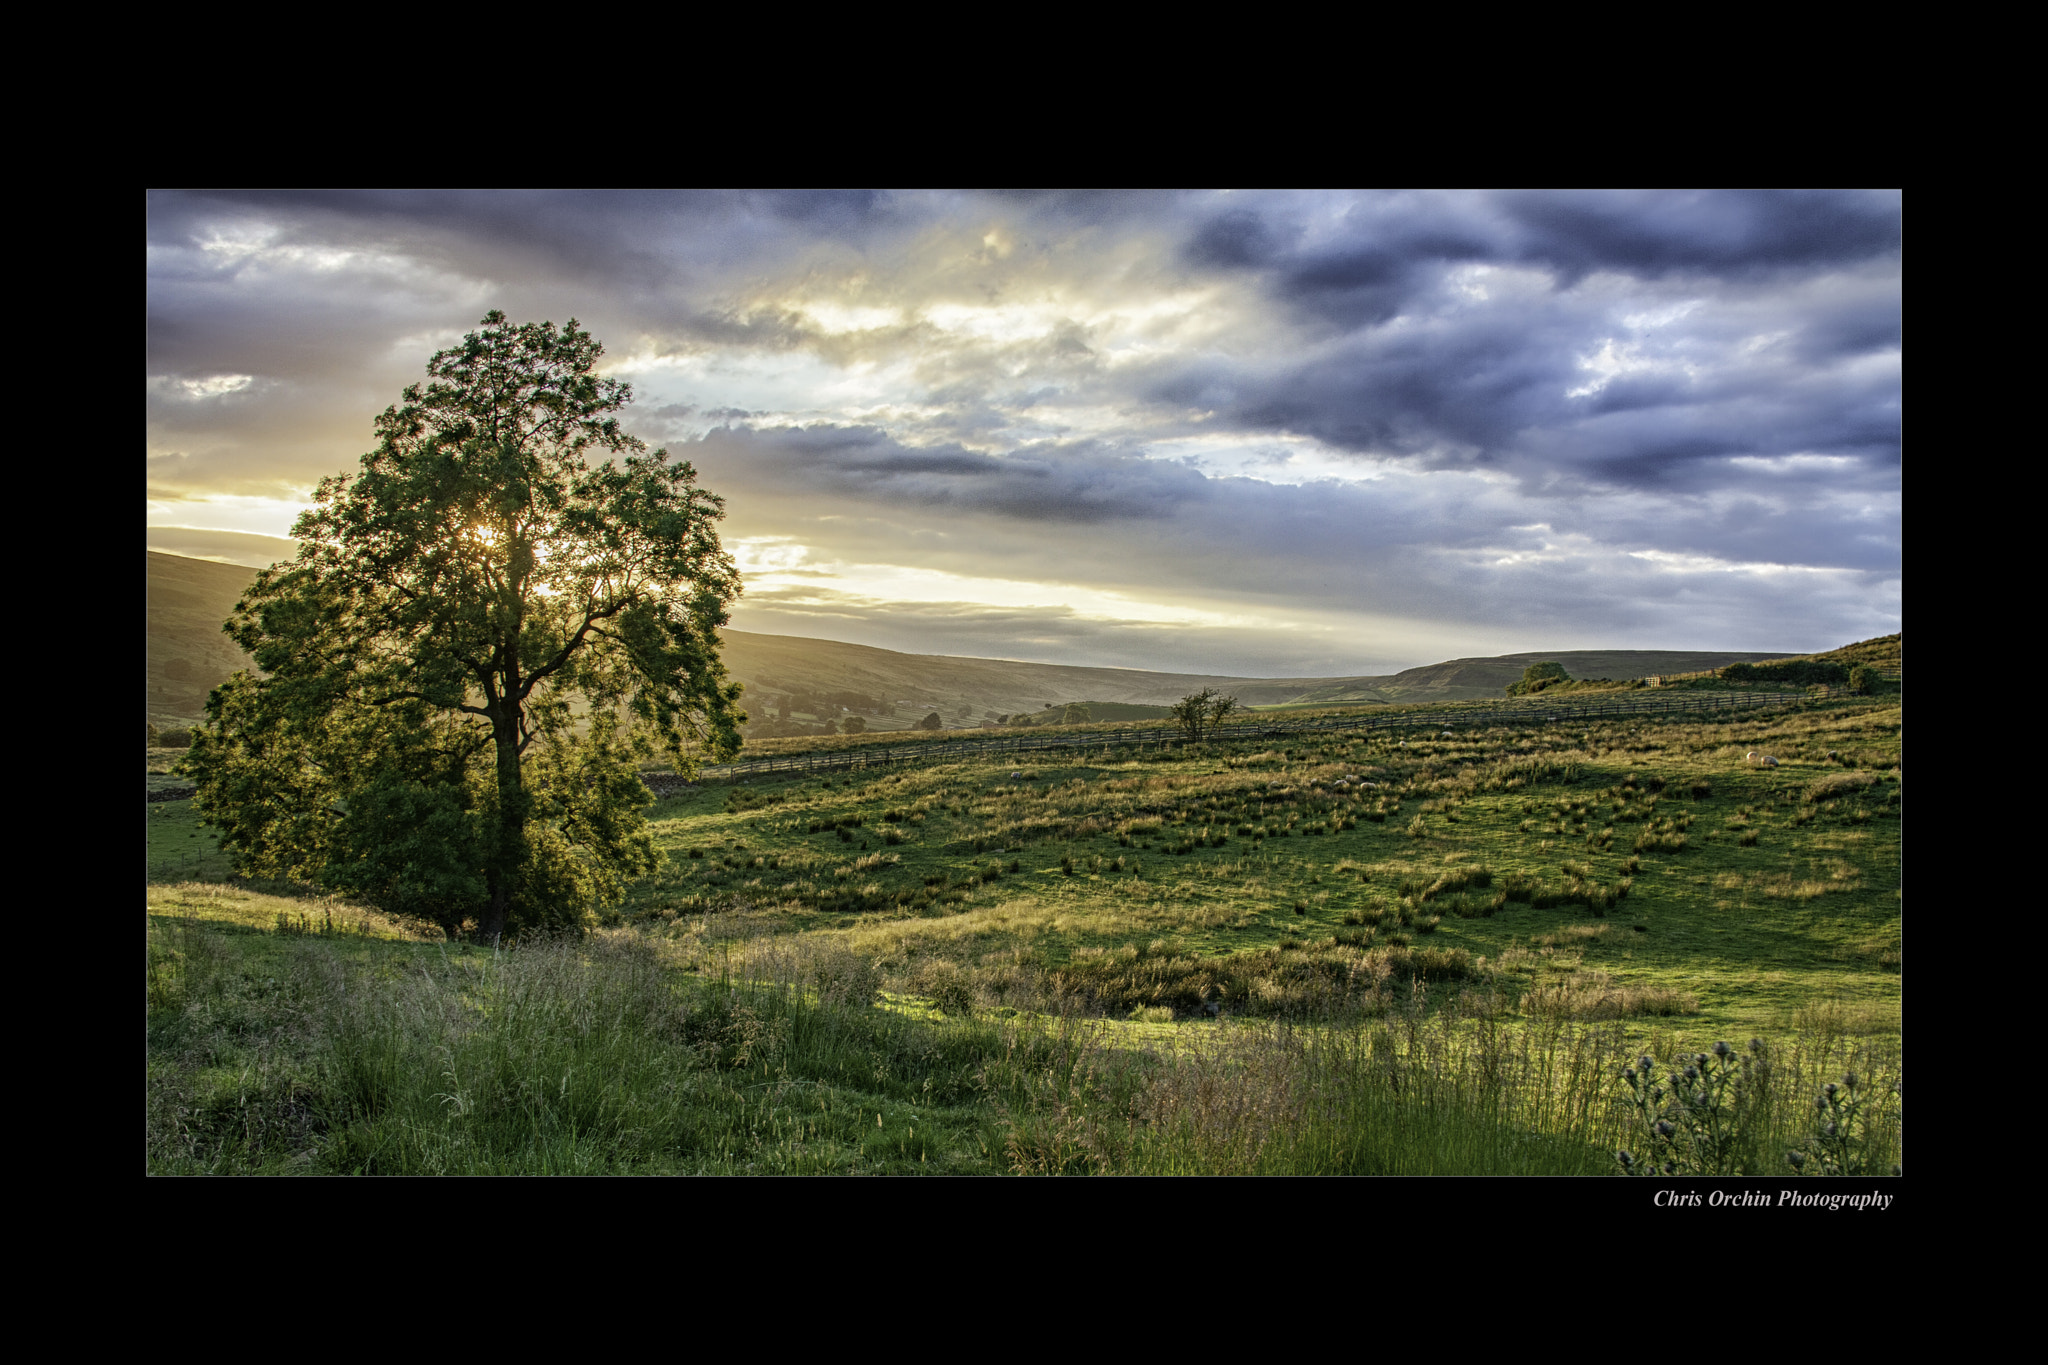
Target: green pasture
1070	961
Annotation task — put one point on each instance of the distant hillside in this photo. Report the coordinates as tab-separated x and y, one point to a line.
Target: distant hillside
1883	651
776	666
185	655
789	675
1474	679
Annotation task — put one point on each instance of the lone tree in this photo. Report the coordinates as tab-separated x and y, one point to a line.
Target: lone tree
1201	712
480	635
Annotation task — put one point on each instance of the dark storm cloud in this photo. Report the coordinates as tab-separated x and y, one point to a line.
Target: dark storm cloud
1074	484
1723	233
1416	360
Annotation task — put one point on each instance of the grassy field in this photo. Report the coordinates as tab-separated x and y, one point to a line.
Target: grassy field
1343	954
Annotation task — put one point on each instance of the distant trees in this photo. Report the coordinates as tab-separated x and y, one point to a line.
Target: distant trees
1075	714
1199	713
934	721
854	725
1536	677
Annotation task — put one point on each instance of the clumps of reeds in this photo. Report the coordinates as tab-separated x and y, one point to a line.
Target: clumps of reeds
1574	934
1833	1019
1836	785
1579	888
1661	836
1596	995
1451	881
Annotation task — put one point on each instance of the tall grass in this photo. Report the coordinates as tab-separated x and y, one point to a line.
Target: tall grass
599	1056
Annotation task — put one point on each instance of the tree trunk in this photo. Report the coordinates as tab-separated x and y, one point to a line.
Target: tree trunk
510	854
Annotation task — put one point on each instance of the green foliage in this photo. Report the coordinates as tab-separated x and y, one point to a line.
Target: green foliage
481	634
177	737
1536	677
854	725
932	721
1862	678
1789	672
1075	714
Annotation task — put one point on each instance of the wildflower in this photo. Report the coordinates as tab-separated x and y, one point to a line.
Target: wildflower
1664	1128
1626	1160
1829	1089
1722	1049
1796	1159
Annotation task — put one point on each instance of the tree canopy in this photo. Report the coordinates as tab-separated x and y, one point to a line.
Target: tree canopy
1200	712
510	603
1536	677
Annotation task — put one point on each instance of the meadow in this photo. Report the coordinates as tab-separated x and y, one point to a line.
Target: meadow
1409	952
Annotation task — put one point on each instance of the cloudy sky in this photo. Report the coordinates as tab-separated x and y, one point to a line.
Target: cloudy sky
1253	433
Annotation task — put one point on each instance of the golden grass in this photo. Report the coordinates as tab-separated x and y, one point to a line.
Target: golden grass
221	904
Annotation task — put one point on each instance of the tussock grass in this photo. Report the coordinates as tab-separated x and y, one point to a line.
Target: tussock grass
1596	995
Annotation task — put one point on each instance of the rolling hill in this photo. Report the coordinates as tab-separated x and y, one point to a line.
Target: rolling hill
187	654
